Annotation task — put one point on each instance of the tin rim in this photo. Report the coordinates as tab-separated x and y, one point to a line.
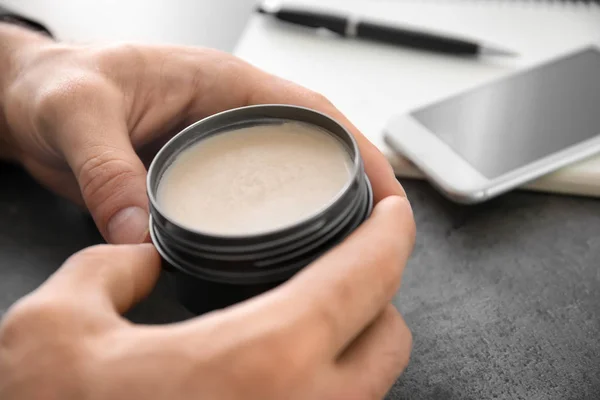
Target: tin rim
357	169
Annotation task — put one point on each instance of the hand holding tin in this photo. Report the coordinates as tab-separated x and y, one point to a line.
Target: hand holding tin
328	333
86	121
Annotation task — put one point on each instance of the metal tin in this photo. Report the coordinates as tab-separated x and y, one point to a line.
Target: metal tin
212	271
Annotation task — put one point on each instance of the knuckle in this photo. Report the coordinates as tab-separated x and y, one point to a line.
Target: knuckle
304	95
375	383
268	358
88	269
121	59
319	98
13	324
389	265
400	338
279	353
95	255
297	360
27	317
38	351
325	317
389	284
91	264
119	51
61	94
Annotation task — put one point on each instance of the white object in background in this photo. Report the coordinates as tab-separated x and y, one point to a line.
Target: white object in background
371	82
211	23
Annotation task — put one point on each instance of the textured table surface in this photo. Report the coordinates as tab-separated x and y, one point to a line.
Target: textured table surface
503	299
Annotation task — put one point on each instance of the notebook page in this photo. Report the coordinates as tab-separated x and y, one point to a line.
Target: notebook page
370	82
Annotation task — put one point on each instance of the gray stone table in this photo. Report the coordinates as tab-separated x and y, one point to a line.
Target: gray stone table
503	298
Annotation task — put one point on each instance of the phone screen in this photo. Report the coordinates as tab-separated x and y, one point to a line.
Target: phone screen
516	121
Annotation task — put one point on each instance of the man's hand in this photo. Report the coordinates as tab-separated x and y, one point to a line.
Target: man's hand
328	333
85	121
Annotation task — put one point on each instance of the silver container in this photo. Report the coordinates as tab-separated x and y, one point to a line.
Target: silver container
211	271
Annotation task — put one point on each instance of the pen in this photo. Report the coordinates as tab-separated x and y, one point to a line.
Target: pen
357	28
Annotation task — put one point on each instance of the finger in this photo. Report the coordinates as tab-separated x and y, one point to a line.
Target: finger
117	276
345	290
87	120
373	362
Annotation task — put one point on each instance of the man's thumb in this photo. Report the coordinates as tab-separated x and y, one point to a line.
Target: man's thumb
86	117
110	174
113	184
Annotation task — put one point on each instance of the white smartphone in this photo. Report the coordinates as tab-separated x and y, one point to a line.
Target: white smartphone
488	140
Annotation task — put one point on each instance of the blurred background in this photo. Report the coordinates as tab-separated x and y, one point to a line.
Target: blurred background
213	23
393	79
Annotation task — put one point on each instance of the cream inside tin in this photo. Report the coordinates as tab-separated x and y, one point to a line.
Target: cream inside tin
254	179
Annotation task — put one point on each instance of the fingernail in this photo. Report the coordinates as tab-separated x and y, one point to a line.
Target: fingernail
128	226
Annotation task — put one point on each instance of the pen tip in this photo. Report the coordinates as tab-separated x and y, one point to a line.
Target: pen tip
496	51
268	7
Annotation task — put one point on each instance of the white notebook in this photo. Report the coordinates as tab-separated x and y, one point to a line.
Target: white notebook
370	82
